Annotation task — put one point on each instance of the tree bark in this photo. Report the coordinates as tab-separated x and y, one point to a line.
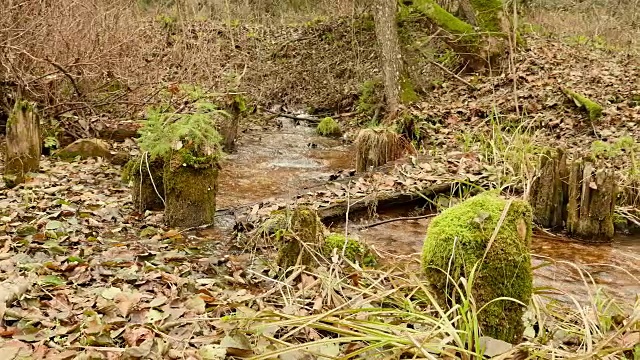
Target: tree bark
387	35
23	144
592	199
548	196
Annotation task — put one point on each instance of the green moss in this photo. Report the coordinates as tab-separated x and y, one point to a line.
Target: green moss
488	14
328	127
407	93
506	270
442	18
190	191
355	250
370	98
591	107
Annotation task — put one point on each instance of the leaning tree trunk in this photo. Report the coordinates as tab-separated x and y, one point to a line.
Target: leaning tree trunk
389	43
592	198
23	144
548	195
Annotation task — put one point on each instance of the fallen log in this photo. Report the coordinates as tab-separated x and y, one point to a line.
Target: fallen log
337	211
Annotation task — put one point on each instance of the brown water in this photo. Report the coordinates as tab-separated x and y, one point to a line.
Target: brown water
557	261
279	162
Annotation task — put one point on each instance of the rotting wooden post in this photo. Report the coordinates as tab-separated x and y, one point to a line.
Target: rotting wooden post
548	195
23	143
592	198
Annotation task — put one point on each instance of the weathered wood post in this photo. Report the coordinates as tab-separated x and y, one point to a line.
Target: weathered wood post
592	199
548	196
23	143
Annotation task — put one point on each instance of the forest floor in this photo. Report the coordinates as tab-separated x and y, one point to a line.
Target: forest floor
86	277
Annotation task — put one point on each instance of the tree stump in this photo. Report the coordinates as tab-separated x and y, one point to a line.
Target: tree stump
592	199
548	195
191	184
376	147
23	144
147	179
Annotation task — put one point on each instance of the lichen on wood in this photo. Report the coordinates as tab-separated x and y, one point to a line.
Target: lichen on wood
458	240
23	143
593	109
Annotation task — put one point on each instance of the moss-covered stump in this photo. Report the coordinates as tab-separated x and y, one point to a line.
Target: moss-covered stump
592	200
23	144
328	127
147	183
376	147
299	234
548	195
457	240
593	109
191	184
354	250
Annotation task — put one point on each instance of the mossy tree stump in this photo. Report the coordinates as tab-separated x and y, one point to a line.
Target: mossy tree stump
548	195
147	182
299	237
458	240
191	183
23	143
592	199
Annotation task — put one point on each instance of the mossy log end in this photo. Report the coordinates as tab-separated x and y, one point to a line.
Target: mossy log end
23	144
548	195
592	199
190	190
147	182
300	237
593	109
457	242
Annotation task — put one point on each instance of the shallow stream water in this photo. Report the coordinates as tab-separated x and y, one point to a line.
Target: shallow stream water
281	162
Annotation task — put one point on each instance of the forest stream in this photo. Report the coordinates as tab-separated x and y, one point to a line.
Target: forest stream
286	161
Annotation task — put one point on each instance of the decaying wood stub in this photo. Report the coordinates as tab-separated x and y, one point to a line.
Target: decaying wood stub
23	144
578	196
549	194
592	199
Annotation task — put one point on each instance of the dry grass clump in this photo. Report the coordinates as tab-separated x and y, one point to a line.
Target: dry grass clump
378	146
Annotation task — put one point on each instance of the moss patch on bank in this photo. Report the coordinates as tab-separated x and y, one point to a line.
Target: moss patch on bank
354	250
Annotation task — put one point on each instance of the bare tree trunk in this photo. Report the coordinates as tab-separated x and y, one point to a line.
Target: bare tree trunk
23	144
387	34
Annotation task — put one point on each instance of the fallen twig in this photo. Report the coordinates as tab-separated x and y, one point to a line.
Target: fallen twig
454	75
406	218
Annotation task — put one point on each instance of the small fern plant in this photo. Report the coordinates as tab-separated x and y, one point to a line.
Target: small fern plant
165	130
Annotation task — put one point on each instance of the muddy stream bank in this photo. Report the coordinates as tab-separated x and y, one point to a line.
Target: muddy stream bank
282	162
